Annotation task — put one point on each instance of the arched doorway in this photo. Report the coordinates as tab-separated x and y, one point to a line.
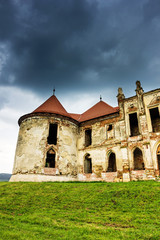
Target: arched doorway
50	158
112	163
138	159
87	164
158	158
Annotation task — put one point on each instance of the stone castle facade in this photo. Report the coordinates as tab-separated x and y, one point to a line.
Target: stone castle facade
102	144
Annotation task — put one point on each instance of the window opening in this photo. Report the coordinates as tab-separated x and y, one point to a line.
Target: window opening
138	159
158	158
52	138
112	163
88	137
109	127
87	164
109	132
50	159
133	124
155	119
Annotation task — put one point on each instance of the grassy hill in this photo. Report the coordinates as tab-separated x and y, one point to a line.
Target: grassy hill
80	211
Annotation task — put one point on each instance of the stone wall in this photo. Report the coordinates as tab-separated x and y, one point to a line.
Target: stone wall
32	147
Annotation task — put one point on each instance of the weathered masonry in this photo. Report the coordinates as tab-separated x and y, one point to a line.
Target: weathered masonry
103	144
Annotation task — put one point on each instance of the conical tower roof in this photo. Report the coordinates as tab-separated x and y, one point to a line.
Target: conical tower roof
98	110
52	105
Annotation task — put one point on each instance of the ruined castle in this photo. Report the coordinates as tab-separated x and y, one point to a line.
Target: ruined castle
104	143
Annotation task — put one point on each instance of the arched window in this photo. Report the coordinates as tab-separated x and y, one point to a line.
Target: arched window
50	159
112	163
87	164
158	156
138	159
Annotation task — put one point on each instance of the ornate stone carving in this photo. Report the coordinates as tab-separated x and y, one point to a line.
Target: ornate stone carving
139	93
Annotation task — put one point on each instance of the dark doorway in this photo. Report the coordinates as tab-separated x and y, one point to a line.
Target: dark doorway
52	138
87	164
112	163
138	159
88	137
50	159
133	124
155	119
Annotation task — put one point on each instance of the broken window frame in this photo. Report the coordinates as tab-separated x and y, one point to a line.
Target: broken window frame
108	126
138	125
52	139
88	137
151	119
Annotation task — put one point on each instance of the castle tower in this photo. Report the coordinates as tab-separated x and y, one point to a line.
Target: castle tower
46	146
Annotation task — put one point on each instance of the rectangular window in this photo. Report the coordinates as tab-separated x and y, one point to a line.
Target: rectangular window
155	119
88	137
133	124
52	138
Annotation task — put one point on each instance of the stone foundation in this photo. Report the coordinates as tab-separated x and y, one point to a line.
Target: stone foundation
104	177
40	178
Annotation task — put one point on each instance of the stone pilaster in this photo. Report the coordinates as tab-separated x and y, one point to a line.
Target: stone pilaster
121	99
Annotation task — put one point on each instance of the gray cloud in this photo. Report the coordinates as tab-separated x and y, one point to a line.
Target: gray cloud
79	45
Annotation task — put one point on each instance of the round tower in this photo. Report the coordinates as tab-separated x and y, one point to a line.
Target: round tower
46	147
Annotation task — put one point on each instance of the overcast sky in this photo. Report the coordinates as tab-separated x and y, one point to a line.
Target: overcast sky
83	48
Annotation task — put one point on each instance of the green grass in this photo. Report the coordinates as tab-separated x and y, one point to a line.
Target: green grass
80	211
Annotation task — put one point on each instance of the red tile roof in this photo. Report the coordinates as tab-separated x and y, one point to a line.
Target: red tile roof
98	110
75	116
52	105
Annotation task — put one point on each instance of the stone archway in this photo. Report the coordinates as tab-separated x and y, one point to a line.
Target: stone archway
112	163
138	159
87	164
50	158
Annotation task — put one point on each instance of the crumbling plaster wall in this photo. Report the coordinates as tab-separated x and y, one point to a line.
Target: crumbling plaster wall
130	106
101	146
32	146
67	152
142	140
152	100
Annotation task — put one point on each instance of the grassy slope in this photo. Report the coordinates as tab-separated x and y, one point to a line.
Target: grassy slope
80	210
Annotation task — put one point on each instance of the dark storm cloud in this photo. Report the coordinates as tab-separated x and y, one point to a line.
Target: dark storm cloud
79	44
